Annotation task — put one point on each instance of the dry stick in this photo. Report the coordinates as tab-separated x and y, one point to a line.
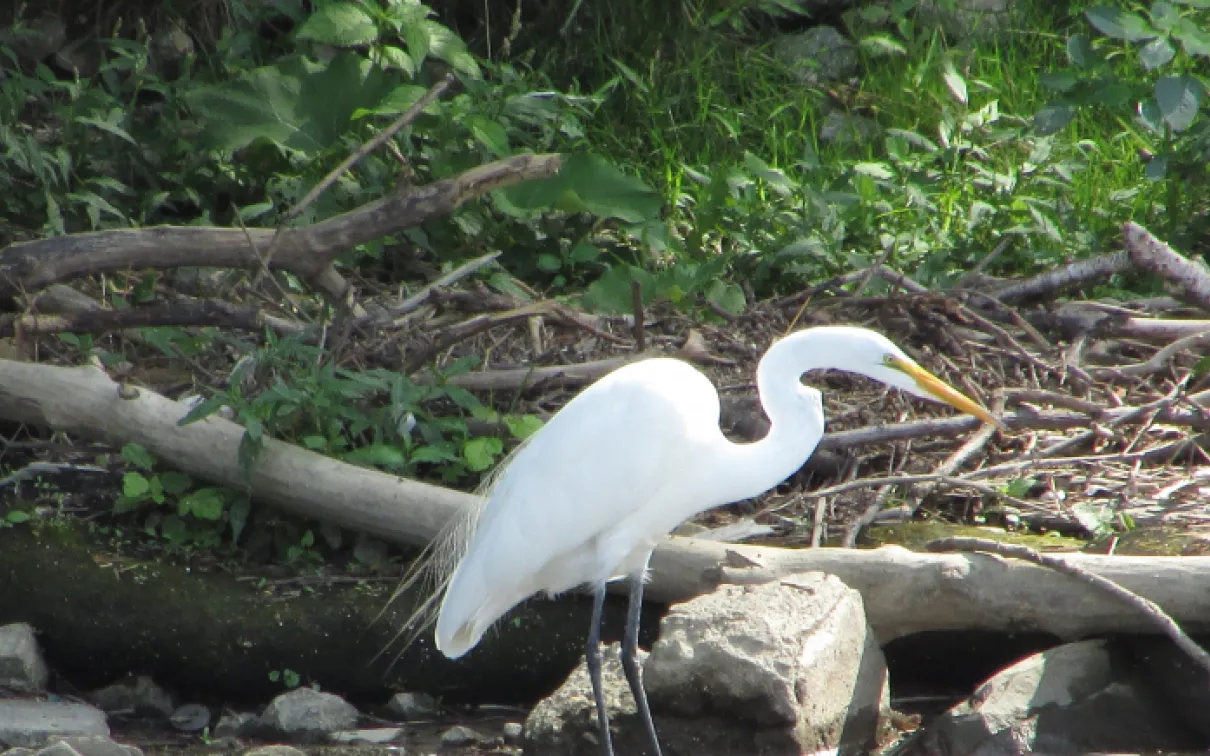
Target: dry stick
1069	275
408	116
986	261
636	297
454	276
866	518
328	279
189	312
1034	334
469	328
1149	253
1148	608
946	481
1132	414
817	526
1005	338
1159	361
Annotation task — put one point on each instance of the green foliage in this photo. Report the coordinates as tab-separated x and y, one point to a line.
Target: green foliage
286	677
376	418
1143	67
172	507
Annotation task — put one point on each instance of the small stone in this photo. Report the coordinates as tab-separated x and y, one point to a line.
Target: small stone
412	706
460	735
190	717
21	664
233	724
307	712
95	745
274	750
373	736
35	723
513	733
139	695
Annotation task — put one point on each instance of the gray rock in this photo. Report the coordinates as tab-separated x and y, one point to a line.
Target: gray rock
969	19
36	39
373	735
1077	698
795	654
845	128
412	706
786	668
190	717
233	724
34	723
513	733
139	695
21	664
818	55
307	713
274	750
460	735
92	745
56	749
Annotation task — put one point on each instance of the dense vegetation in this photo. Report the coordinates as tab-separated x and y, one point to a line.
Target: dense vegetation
695	167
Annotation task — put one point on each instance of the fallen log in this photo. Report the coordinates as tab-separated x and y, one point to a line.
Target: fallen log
904	592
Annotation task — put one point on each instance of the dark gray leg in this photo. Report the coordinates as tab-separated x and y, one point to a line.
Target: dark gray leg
592	658
630	659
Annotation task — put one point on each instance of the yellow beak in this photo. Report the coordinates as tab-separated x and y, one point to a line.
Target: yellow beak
944	392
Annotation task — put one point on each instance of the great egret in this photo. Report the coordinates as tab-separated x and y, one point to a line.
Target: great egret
586	499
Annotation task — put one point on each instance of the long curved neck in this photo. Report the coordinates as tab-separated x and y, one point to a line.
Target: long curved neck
796	425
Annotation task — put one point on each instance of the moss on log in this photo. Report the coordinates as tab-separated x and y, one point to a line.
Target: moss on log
101	616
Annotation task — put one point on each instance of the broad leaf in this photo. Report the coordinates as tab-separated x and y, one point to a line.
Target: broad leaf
1053	118
1179	98
1120	24
588	183
340	24
298	104
1156	53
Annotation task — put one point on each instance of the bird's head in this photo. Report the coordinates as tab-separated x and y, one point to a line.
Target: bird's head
869	353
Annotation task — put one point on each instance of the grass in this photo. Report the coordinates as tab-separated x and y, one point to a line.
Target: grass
685	101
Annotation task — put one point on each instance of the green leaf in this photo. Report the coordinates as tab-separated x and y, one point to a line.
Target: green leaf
1059	81
447	46
1053	118
1151	116
549	263
481	452
339	24
1192	37
524	426
880	171
1156	53
396	102
589	183
237	515
109	126
204	503
583	253
391	57
1201	367
1157	168
1179	98
432	454
1164	15
1080	52
299	105
1119	24
491	135
202	410
17	516
137	455
881	45
377	455
135	486
728	296
174	529
954	81
175	483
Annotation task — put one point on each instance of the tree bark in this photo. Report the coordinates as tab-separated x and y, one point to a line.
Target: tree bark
904	592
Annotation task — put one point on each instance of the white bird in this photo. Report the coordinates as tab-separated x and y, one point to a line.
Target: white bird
589	496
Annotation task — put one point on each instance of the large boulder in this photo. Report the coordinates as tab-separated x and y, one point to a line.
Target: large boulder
788	667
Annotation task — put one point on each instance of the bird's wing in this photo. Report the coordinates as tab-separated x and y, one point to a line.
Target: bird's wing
584	492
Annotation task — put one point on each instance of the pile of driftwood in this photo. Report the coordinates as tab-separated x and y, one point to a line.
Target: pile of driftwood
1104	402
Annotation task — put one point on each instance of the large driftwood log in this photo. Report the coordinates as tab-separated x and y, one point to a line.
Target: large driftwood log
306	250
904	592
